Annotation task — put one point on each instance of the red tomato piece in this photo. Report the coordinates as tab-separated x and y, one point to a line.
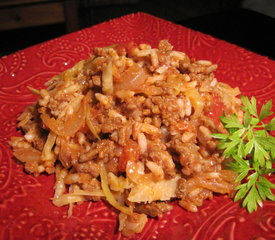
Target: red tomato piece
120	49
217	109
128	47
130	152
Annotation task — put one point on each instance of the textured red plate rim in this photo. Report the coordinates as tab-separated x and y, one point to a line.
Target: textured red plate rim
25	209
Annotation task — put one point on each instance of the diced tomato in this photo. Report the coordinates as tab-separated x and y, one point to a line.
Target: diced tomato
217	109
130	46
120	48
130	152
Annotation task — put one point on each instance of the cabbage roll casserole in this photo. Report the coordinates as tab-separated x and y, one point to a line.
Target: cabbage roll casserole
131	125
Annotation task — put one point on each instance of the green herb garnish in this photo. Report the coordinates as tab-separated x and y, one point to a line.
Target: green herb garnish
252	149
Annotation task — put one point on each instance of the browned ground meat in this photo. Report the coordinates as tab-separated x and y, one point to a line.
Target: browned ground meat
154	209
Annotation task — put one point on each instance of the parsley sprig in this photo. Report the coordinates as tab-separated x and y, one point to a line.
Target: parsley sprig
252	150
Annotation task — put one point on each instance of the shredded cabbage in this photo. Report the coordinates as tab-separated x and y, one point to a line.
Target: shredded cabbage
197	102
67	199
34	91
108	194
47	154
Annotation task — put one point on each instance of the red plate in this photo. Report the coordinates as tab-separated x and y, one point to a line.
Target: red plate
25	209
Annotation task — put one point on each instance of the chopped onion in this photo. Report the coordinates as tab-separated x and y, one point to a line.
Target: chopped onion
29	154
66	128
132	79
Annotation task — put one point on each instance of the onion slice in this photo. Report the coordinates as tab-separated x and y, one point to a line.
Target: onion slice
66	128
132	79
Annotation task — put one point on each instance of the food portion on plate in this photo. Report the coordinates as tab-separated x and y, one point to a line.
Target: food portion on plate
131	125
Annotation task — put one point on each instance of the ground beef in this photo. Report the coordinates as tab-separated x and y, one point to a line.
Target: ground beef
155	209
